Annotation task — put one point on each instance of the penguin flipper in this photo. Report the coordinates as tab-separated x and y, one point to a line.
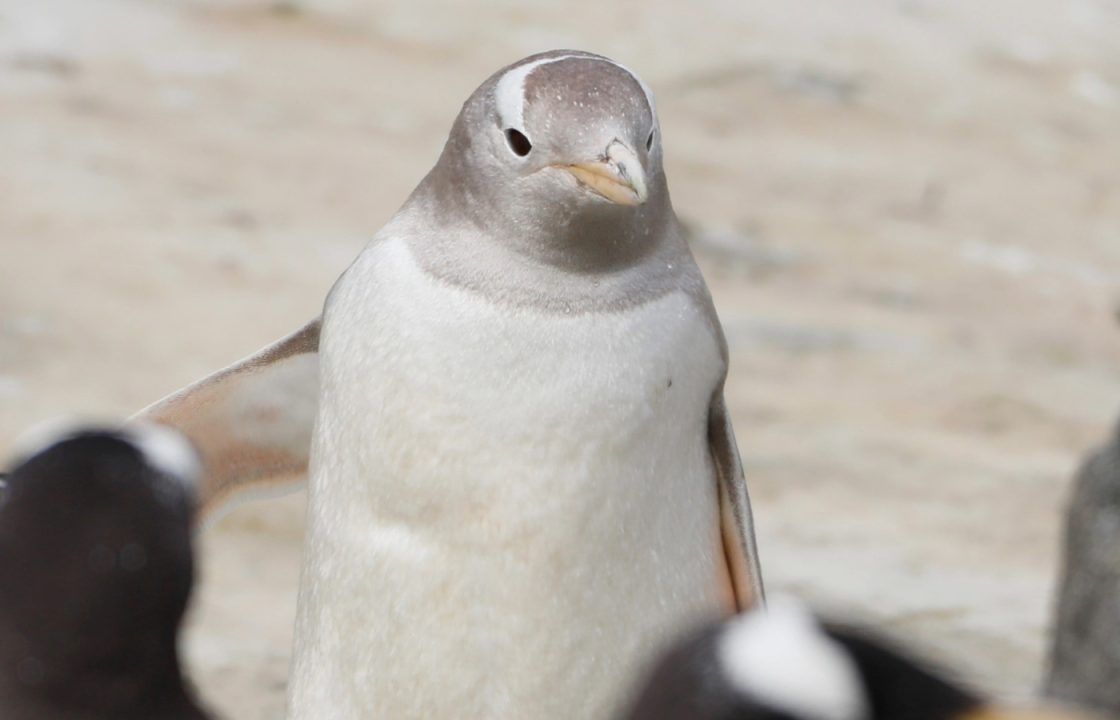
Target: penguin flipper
250	422
736	522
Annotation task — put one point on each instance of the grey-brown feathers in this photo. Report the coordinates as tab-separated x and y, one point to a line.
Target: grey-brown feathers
521	230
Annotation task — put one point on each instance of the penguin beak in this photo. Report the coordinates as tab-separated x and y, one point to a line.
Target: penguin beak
619	178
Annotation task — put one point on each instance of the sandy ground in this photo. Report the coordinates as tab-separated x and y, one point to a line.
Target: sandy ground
908	212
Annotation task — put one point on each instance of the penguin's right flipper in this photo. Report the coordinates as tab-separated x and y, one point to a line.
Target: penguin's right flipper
250	422
736	521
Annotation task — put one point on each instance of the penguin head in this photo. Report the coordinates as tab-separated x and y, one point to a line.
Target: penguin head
785	664
563	145
96	565
580	119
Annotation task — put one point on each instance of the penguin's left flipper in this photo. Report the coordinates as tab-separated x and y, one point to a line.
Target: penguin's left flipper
251	422
736	522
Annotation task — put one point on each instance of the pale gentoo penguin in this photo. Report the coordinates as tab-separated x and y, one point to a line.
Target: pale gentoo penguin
785	664
523	475
95	573
1085	656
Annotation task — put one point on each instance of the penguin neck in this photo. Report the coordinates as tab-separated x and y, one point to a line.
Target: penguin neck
581	240
570	236
576	279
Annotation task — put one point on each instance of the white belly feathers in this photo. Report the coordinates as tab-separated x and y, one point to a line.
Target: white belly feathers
510	510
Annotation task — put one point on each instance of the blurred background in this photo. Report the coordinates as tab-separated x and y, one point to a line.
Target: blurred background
908	213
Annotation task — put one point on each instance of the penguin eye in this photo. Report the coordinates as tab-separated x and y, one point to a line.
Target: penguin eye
649	141
518	143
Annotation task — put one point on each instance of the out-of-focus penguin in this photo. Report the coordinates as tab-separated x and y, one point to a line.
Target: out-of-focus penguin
95	574
1085	658
784	664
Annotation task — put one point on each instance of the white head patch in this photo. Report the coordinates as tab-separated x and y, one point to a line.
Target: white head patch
42	436
165	450
781	658
509	93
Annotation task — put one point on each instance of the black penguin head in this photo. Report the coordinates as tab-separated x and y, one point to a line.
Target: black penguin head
96	571
758	666
784	664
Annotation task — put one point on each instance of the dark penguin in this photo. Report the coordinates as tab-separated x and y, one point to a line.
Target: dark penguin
95	574
787	665
1085	657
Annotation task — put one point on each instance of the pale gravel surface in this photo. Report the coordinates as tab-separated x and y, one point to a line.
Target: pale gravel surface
909	215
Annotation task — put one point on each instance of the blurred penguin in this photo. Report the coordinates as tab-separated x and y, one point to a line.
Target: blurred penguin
95	574
784	664
1085	657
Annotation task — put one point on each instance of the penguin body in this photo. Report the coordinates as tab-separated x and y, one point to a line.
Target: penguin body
586	531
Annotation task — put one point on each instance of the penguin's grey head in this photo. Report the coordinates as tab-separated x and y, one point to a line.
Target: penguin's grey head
784	664
96	568
562	142
573	124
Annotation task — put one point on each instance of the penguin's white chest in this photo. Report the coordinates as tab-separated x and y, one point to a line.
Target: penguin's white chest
510	509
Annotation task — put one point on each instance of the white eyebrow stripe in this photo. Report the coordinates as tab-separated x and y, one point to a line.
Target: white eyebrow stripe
509	93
